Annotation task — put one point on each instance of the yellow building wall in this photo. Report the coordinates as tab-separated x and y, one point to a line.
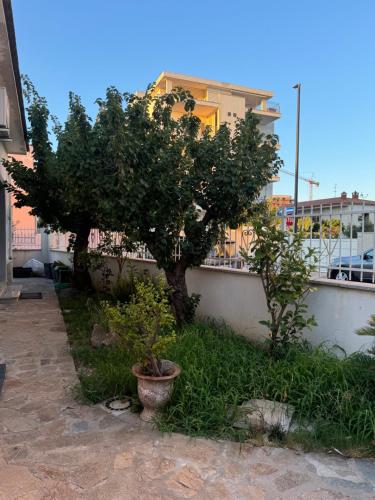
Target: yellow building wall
235	105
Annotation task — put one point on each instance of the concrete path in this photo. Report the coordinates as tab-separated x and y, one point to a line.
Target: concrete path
51	447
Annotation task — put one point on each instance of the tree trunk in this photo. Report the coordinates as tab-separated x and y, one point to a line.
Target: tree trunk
81	275
176	278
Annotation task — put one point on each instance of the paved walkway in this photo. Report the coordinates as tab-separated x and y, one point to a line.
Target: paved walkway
54	448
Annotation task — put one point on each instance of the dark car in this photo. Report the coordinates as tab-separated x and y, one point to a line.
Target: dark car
355	268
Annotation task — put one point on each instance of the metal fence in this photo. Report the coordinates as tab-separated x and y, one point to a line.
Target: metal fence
342	236
26	239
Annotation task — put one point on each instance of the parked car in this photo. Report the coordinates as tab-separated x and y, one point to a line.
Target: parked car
352	268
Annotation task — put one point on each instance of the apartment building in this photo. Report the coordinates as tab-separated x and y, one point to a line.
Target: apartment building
280	200
219	102
216	103
12	129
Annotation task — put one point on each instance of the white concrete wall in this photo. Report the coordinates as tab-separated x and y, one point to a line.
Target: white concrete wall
62	256
20	257
365	242
237	298
5	224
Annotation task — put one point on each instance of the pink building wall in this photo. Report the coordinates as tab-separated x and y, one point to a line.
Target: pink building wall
20	216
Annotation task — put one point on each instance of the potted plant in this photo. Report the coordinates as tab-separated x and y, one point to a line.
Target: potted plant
146	326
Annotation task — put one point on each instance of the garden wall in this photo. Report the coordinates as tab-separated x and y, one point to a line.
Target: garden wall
20	257
238	299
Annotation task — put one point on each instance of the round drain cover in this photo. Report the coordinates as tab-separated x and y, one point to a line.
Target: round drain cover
116	404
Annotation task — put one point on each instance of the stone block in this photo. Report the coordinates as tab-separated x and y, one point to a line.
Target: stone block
264	415
100	338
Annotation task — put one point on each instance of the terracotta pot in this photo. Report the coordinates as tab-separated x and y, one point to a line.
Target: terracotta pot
155	392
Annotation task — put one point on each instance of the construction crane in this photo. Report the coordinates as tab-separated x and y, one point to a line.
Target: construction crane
311	182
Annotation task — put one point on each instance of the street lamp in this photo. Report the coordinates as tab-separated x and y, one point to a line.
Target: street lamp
298	87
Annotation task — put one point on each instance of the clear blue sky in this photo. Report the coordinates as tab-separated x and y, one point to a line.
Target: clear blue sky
328	45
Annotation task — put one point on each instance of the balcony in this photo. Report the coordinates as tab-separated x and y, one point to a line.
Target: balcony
273	107
203	108
267	111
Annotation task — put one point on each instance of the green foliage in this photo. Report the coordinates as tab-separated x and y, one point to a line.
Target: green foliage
368	330
125	287
285	269
145	325
35	188
116	245
107	375
192	303
328	229
64	187
103	372
221	369
331	228
191	183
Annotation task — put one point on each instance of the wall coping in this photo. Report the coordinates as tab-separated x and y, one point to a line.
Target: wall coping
346	285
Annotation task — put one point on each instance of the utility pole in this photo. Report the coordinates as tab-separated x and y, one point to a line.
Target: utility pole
298	87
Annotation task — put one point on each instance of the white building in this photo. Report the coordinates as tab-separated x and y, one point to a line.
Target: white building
351	211
12	129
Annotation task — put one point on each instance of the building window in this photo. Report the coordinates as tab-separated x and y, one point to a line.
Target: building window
235	115
367	217
229	113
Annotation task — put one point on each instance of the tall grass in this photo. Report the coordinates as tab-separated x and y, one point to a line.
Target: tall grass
220	369
103	372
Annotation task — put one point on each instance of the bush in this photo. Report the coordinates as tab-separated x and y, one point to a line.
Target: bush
125	287
145	325
285	270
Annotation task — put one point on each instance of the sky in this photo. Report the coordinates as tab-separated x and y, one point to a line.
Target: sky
328	46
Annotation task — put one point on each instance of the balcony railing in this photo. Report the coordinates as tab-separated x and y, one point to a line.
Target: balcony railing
269	106
273	107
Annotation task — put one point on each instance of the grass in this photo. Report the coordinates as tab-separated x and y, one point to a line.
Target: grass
221	370
103	372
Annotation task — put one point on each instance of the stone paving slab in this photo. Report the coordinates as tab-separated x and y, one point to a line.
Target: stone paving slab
52	447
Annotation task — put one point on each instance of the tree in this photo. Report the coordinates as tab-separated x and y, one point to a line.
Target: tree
63	189
178	188
331	228
284	269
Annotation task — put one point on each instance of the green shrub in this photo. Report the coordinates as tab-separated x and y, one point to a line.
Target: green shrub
124	288
145	325
285	270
